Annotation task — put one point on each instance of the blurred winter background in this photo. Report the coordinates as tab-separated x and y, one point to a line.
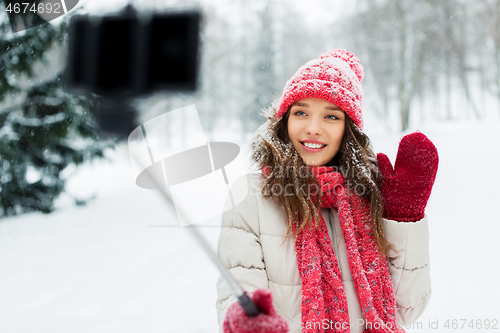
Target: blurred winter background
77	250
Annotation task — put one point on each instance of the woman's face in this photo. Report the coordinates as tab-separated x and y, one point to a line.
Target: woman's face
317	123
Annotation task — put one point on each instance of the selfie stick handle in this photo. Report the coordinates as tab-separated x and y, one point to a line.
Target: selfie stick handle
246	303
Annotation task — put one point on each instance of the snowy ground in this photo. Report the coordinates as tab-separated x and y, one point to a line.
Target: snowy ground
104	268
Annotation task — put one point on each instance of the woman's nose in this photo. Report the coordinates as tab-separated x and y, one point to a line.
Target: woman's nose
314	127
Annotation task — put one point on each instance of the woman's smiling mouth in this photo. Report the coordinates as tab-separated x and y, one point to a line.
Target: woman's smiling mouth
312	147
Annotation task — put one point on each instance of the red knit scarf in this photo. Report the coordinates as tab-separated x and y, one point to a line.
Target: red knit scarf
324	303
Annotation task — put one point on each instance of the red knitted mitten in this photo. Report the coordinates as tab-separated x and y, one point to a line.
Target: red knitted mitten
407	187
267	321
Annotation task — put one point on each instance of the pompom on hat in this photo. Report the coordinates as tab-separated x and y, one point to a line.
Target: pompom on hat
335	76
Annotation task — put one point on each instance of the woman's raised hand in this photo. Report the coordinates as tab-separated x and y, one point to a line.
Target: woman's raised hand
267	321
407	187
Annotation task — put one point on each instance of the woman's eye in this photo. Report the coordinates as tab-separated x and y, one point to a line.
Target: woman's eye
332	116
297	113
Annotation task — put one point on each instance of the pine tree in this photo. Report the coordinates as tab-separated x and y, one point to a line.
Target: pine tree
45	132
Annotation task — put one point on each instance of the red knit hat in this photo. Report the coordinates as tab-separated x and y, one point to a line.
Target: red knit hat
335	76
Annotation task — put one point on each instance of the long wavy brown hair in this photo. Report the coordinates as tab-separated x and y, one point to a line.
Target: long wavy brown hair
272	148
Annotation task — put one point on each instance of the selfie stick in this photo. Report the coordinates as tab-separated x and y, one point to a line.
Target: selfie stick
246	303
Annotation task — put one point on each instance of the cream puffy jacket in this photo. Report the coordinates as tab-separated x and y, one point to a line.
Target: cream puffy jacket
249	245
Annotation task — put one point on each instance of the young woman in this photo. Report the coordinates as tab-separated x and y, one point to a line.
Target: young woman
331	237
